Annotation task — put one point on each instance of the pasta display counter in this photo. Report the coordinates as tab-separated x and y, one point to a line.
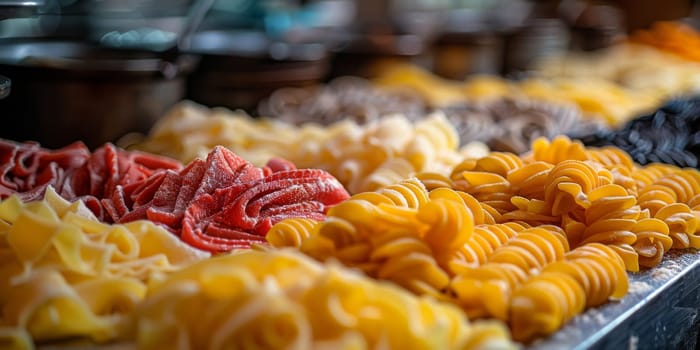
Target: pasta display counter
556	206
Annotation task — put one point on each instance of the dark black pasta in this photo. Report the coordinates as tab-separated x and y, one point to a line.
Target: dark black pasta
669	135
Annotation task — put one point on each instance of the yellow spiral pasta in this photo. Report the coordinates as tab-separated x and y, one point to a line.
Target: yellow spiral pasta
401	233
685	183
610	156
593	194
561	148
450	223
65	274
543	304
291	232
654	197
485	291
433	180
485	240
283	300
587	276
530	180
409	193
533	248
494	235
670	194
694	203
609	218
556	151
482	212
500	163
489	188
569	183
683	224
653	241
648	174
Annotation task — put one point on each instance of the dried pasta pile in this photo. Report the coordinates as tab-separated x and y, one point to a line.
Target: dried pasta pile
598	98
362	157
66	275
439	247
503	229
284	300
504	123
632	66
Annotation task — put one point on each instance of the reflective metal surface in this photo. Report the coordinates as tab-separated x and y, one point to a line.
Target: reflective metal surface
661	311
83	58
19	8
4	87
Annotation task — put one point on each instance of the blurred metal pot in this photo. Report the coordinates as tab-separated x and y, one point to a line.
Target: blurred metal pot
240	68
66	91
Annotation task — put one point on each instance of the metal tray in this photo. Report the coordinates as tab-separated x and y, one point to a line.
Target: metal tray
660	312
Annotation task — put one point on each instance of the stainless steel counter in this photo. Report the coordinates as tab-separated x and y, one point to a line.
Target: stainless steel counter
660	312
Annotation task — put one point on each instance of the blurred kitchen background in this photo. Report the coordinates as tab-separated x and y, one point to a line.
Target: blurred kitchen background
94	70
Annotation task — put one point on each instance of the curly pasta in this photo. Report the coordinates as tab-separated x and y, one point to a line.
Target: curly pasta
486	239
65	274
281	299
433	181
401	233
485	290
647	175
653	240
683	224
669	194
494	236
593	194
587	276
556	151
489	188
530	180
291	232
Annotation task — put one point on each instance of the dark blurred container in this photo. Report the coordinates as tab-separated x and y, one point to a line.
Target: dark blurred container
458	54
537	39
593	26
66	91
641	14
366	55
378	37
238	69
